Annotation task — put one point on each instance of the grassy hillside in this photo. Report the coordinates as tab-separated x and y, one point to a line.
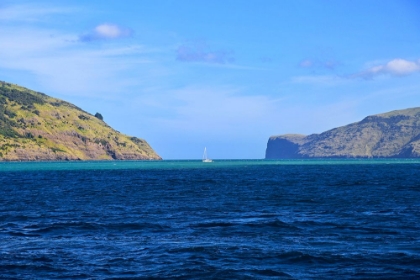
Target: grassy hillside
393	134
34	126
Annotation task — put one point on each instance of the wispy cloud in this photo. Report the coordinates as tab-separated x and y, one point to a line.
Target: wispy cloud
29	12
397	68
307	63
63	66
322	80
195	52
394	68
314	63
106	31
192	109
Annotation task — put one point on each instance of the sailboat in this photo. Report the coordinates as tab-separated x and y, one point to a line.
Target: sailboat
205	159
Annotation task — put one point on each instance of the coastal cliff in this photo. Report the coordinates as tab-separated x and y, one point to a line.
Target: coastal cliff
395	134
37	127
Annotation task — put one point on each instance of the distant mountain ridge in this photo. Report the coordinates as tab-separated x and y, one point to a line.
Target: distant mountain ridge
395	134
37	127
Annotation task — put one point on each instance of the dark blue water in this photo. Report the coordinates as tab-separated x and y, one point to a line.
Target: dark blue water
224	220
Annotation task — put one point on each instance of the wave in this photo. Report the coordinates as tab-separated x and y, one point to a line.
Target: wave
251	223
69	228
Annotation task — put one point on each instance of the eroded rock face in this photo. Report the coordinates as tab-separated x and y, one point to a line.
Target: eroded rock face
393	134
36	127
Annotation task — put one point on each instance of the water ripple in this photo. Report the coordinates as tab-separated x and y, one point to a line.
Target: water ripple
262	221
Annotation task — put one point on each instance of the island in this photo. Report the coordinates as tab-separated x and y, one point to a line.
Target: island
37	127
395	134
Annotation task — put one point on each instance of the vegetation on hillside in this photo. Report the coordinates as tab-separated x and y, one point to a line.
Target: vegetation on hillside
34	126
392	134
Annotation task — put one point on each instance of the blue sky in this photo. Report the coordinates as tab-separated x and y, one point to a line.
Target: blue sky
222	74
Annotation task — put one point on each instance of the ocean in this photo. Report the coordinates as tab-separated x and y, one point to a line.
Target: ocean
238	219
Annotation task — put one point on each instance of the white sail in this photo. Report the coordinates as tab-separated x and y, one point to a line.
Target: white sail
205	159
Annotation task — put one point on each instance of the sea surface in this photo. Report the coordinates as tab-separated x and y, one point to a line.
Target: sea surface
244	219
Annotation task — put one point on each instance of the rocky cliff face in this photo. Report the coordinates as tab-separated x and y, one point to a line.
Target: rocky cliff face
34	126
394	134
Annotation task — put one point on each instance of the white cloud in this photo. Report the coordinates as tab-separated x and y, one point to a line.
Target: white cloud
397	67
106	31
110	31
64	66
401	67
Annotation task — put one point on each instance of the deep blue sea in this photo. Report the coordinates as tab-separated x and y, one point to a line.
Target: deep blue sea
290	219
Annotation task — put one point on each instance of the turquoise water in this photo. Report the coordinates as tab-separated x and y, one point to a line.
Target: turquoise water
174	164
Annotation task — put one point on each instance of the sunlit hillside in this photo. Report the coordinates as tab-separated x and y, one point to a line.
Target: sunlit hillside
34	126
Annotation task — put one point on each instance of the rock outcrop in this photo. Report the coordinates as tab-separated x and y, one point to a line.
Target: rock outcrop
37	127
394	134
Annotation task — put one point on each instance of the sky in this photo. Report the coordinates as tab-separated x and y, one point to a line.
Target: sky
225	75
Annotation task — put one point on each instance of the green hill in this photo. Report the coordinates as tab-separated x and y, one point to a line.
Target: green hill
34	126
394	134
